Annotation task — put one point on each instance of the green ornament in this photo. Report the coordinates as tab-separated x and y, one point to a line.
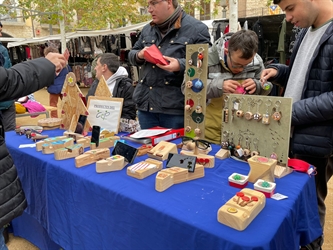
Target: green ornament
265	184
237	177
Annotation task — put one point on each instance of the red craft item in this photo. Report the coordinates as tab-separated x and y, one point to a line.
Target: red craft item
154	55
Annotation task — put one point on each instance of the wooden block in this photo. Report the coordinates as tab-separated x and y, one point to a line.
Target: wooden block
50	122
208	161
50	147
73	135
68	152
85	141
222	154
91	156
163	181
179	174
162	149
112	163
281	171
199	172
48	140
105	142
35	137
144	149
261	168
241	209
145	168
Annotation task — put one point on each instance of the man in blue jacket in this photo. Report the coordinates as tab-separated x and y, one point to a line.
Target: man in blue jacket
158	95
309	81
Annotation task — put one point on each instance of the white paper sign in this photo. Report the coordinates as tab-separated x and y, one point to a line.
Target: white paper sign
105	112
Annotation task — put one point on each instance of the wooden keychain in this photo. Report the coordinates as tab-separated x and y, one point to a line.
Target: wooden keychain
248	115
265	118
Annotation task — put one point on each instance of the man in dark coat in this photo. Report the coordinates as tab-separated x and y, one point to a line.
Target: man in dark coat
308	80
20	80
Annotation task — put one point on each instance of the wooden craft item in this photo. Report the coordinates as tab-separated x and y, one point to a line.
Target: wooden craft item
175	175
208	161
161	150
105	142
222	154
35	137
102	88
48	140
106	133
91	156
144	149
72	104
241	209
112	163
85	141
50	147
50	123
73	135
261	168
68	152
144	168
281	171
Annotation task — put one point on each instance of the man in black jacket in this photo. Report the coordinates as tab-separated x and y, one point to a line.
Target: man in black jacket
20	80
119	84
309	81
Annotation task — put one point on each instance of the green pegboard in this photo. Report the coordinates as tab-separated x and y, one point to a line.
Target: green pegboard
251	121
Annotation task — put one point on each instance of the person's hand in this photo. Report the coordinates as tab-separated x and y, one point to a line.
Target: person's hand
249	85
173	65
141	54
58	60
230	86
266	74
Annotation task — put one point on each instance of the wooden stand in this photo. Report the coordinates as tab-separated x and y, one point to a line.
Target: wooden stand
68	152
281	171
110	164
169	176
261	168
162	149
144	149
91	156
105	142
222	154
39	144
144	168
49	148
208	161
241	209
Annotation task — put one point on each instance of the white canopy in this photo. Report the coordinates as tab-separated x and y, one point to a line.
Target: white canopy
122	30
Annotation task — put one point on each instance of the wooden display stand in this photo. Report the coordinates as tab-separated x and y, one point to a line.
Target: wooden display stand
195	90
72	105
222	154
144	149
161	150
39	144
110	164
105	142
102	88
91	156
49	148
73	135
169	176
241	209
261	168
280	171
208	161
144	168
68	152
257	125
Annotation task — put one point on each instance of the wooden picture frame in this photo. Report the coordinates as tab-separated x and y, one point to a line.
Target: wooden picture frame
105	112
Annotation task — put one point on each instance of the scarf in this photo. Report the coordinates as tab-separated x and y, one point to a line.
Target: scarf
165	26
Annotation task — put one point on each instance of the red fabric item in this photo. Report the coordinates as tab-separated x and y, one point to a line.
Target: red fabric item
298	165
154	55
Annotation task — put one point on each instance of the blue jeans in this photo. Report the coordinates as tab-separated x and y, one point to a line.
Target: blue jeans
149	120
2	240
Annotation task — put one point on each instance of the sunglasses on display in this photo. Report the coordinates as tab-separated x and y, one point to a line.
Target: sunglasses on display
199	143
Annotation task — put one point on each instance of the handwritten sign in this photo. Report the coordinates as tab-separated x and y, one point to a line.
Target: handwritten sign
105	112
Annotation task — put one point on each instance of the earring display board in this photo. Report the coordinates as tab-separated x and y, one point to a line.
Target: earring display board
257	125
195	90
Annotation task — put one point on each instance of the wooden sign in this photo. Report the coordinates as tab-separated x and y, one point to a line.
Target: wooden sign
105	112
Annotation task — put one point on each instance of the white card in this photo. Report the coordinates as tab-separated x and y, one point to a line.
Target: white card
27	145
278	196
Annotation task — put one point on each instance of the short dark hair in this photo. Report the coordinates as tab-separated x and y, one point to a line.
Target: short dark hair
276	1
0	24
50	49
246	41
111	61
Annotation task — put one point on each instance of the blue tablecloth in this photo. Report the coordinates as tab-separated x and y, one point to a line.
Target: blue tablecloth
77	208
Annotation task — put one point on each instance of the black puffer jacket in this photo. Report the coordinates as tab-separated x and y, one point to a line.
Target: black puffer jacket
159	91
312	116
20	80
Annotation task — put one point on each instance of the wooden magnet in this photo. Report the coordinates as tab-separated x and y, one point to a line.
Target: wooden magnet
68	152
110	164
91	156
241	209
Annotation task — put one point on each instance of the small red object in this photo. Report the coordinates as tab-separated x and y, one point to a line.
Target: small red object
254	198
240	194
154	55
200	56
